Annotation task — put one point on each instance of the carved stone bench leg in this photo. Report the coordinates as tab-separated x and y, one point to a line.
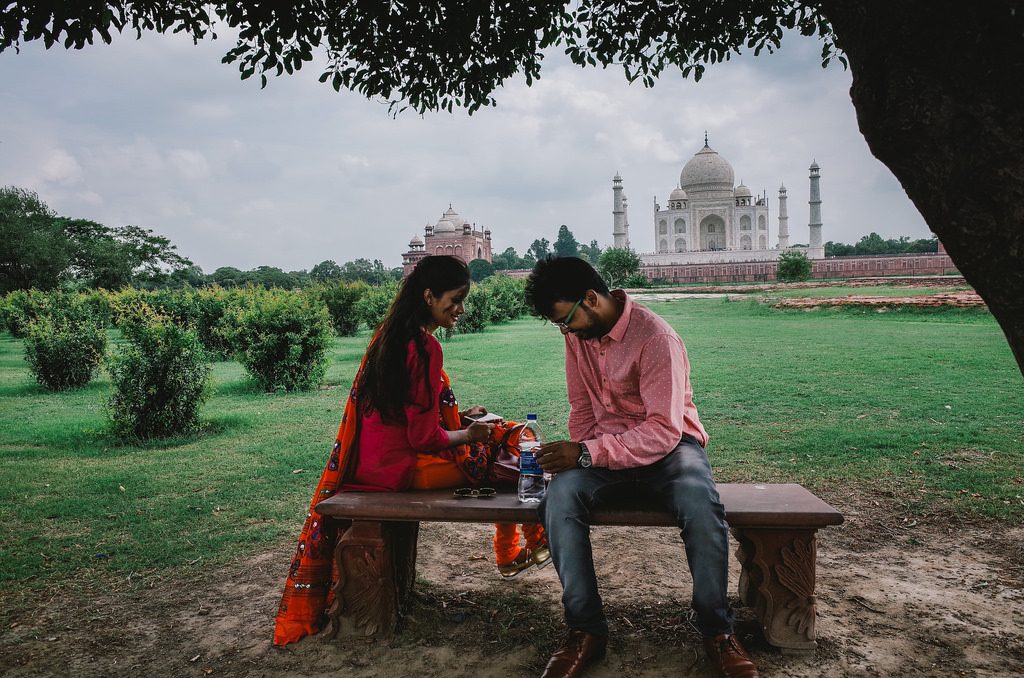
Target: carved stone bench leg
376	565
777	581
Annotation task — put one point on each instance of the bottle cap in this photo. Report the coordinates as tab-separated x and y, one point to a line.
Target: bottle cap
531	417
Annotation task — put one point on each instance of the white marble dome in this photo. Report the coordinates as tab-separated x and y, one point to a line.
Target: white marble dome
743	192
453	216
707	171
444	226
416	240
677	194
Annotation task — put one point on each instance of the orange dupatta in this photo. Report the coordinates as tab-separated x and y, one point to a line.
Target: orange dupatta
307	589
311	577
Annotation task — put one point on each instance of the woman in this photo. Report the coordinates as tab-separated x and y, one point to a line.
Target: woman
402	390
401	429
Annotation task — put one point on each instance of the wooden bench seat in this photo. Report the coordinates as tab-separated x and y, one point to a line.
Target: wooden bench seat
775	527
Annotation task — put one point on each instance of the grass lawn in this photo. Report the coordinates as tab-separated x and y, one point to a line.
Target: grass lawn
927	408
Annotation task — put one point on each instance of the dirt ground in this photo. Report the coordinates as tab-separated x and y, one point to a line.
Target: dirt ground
896	597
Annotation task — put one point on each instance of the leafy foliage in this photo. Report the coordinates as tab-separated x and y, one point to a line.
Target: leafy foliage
591	252
538	249
506	297
636	280
510	260
159	378
566	244
33	249
477	311
113	258
39	249
876	244
794	266
439	55
22	307
325	271
341	300
63	352
617	264
281	338
480	269
373	305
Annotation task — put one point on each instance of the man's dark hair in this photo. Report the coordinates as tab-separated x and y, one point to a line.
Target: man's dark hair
556	279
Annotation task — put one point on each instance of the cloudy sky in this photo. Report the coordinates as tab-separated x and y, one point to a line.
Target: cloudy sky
158	133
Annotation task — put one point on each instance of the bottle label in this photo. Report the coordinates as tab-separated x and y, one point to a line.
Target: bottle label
528	465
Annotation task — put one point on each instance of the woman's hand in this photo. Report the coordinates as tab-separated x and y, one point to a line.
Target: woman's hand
467	415
478	433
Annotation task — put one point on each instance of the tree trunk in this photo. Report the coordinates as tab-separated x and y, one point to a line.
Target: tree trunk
938	88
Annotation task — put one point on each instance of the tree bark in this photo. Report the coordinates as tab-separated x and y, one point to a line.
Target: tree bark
938	88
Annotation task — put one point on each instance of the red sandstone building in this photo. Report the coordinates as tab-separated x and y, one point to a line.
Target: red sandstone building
451	235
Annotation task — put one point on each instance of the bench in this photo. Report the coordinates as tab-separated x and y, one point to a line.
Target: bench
774	525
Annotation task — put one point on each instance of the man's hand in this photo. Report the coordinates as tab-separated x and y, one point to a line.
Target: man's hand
558	456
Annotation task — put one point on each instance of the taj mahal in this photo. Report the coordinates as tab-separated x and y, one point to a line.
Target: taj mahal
708	219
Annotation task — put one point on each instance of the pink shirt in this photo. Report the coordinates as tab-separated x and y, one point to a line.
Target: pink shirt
387	449
630	390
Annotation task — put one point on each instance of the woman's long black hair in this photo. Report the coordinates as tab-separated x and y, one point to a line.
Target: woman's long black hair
385	381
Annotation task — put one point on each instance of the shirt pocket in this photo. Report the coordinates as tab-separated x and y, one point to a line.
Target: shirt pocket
626	397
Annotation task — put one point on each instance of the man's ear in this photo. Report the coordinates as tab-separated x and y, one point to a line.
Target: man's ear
590	298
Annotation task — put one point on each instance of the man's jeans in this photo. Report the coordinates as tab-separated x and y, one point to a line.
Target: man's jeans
681	482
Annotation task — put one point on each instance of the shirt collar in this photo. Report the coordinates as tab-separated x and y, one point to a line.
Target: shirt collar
619	329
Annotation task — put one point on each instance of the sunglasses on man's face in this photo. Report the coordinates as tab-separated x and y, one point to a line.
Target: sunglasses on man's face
564	323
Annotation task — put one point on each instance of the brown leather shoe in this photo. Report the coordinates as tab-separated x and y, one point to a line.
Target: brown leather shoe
578	651
728	657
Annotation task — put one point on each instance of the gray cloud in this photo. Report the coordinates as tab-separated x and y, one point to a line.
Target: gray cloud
159	133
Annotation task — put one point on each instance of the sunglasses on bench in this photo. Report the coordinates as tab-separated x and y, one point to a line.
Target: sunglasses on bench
481	492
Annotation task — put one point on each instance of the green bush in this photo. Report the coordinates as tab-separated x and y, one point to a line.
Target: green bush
63	353
159	378
207	311
794	266
636	280
212	309
373	305
506	298
129	305
96	304
477	311
617	264
341	300
281	338
21	307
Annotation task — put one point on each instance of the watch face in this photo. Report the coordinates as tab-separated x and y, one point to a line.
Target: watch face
585	460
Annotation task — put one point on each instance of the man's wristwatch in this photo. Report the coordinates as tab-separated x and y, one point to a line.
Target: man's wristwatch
584	460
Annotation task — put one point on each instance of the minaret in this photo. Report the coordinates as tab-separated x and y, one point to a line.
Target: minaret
783	219
815	249
625	218
620	234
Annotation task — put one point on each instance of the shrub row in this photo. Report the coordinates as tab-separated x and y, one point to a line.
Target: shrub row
160	376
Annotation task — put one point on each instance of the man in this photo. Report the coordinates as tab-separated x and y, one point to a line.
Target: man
635	432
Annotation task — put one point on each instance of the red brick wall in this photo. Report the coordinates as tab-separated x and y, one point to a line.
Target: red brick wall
834	267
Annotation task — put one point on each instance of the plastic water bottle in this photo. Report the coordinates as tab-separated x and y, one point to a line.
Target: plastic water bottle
531	475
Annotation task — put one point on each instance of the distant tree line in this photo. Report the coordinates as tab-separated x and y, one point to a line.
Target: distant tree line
40	249
876	244
565	245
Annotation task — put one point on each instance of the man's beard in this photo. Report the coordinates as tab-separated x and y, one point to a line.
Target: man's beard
596	329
